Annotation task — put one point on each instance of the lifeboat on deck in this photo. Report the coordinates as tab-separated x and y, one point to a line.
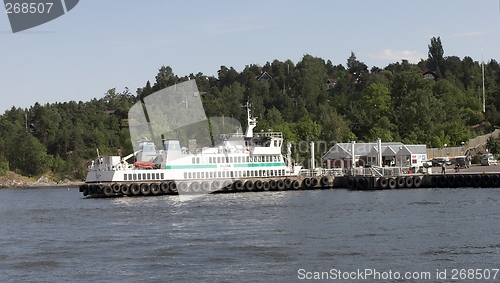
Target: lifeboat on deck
146	165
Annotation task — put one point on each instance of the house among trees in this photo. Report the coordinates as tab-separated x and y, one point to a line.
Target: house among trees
264	76
368	154
430	75
330	83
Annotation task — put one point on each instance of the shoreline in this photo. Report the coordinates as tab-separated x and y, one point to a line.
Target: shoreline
16	181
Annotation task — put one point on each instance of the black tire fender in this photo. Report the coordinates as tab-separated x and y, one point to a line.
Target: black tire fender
392	183
145	189
383	183
134	189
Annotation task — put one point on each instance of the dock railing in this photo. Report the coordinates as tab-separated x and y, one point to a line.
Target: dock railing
322	172
376	171
357	171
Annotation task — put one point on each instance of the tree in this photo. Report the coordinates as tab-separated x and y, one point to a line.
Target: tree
435	60
493	145
165	78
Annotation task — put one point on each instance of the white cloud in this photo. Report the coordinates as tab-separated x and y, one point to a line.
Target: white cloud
396	55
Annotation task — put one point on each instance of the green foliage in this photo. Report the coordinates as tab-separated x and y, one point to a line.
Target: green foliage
4	167
436	59
476	159
493	145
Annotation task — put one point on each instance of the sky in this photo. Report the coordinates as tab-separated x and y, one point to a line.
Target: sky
100	45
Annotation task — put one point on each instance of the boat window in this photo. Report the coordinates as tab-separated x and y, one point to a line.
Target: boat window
153	176
162	176
189	175
227	159
125	177
138	176
202	175
144	176
185	175
135	177
197	175
158	176
275	143
130	177
247	159
218	174
230	159
218	159
193	160
197	160
210	160
149	176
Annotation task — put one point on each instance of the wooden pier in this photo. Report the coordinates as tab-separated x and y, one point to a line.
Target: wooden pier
408	181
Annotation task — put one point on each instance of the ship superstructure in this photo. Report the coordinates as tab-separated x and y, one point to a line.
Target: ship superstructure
236	156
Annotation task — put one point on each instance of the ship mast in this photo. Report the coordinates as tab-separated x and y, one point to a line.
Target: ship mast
252	122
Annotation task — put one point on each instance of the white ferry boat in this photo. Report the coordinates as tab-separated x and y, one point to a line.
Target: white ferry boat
250	161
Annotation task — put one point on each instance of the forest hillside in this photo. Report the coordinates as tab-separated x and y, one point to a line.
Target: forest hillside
435	102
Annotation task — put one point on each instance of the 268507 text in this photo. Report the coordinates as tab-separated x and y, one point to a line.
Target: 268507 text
28	8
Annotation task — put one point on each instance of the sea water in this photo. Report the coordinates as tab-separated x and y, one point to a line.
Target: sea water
408	235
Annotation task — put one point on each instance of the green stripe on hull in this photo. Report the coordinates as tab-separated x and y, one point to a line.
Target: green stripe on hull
200	166
259	165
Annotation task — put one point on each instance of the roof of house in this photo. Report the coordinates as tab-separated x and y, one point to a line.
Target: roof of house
343	150
264	76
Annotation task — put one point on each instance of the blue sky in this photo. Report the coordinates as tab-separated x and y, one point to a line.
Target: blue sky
102	44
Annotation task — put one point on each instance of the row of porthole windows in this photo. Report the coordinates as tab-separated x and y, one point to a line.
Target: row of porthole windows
144	176
238	159
234	174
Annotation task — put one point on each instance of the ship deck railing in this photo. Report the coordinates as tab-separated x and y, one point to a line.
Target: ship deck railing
109	167
260	134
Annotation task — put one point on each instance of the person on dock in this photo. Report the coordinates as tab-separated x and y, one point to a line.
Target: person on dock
443	168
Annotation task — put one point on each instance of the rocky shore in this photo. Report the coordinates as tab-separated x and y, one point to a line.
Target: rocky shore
13	180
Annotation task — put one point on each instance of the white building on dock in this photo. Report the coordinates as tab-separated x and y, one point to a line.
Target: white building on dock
375	154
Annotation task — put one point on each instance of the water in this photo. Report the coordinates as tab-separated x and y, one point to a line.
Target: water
55	235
